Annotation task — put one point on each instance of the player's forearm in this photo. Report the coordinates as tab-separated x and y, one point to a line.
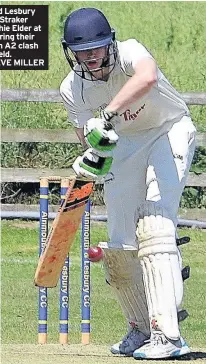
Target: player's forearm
137	86
80	135
134	89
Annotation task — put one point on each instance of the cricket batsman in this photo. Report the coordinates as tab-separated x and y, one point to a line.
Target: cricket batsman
139	138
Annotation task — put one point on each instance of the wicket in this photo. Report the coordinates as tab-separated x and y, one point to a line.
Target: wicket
64	277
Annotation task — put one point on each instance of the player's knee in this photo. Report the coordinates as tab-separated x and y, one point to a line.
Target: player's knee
156	232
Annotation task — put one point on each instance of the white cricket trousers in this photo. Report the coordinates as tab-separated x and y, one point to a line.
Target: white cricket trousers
151	165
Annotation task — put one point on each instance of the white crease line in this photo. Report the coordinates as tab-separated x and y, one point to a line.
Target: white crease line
35	261
19	261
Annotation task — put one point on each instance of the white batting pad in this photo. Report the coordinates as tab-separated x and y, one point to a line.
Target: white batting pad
161	268
124	273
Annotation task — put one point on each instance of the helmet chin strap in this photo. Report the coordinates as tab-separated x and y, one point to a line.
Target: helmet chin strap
85	68
104	65
102	69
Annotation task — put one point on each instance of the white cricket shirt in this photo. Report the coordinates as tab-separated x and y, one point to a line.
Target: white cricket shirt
83	98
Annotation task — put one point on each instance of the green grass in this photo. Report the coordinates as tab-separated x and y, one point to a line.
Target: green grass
20	296
173	31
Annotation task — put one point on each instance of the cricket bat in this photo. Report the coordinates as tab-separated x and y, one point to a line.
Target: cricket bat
62	233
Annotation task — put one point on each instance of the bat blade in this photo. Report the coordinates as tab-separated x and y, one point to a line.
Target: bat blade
62	233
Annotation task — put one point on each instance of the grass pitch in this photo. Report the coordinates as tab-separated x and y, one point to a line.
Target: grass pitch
76	354
20	302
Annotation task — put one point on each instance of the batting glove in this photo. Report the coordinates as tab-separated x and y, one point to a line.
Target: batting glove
108	115
92	165
100	135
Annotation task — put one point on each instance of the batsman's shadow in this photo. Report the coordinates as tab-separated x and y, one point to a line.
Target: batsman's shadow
194	355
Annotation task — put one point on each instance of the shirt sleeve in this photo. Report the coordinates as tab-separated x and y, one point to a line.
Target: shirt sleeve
131	51
78	113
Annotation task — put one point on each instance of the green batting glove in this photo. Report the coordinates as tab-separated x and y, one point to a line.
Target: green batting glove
91	165
100	135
